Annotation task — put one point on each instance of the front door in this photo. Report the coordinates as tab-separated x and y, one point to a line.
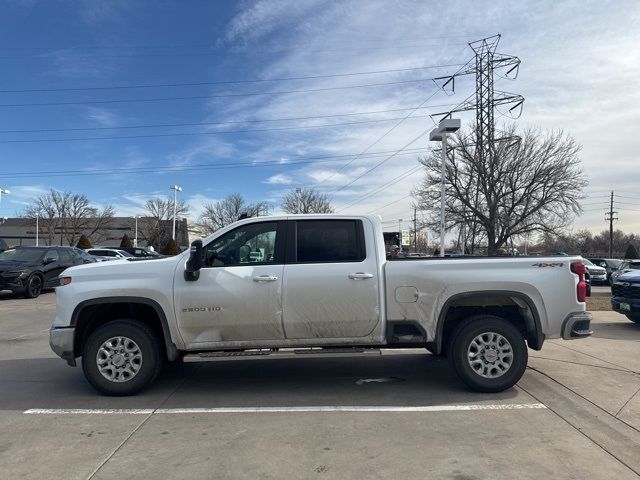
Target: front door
238	295
331	282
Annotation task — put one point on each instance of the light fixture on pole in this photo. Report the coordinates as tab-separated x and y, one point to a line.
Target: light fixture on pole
439	134
3	191
175	189
135	240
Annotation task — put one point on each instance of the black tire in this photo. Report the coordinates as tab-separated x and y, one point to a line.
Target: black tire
633	317
148	367
504	377
33	289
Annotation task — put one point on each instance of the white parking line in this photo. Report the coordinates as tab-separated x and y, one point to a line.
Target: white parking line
173	411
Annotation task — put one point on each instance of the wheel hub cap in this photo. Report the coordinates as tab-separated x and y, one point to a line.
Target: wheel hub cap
119	359
490	355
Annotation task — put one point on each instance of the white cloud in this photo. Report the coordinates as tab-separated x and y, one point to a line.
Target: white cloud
279	179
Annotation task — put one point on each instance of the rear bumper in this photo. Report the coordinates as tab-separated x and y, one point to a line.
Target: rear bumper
577	325
61	342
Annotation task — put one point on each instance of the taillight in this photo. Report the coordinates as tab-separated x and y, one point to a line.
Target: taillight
581	291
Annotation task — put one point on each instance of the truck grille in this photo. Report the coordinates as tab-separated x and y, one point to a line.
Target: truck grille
630	290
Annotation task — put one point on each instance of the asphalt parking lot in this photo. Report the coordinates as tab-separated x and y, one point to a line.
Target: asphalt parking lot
402	415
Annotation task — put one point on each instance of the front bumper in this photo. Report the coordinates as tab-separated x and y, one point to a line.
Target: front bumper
599	278
11	283
61	342
577	325
620	304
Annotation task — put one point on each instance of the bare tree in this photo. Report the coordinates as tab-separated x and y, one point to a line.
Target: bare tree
155	227
306	200
69	215
221	213
532	185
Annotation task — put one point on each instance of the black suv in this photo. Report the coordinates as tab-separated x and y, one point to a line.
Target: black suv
27	270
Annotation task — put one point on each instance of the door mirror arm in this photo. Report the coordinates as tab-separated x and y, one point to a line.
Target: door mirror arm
195	262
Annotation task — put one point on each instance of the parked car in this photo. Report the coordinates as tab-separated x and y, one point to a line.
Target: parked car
625	266
28	270
610	264
109	253
598	275
140	252
321	287
625	295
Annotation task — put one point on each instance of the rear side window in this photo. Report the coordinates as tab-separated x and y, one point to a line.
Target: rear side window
327	241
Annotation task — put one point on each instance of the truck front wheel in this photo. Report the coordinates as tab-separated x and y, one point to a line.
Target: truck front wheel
488	353
121	357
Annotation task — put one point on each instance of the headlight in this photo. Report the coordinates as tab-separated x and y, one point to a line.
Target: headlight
65	281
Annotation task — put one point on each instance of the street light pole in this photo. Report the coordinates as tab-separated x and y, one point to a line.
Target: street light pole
175	189
135	240
400	233
37	227
439	134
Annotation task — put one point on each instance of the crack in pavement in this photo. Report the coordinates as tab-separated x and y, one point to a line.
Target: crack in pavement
141	424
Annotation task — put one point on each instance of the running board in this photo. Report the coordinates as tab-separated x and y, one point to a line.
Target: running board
280	353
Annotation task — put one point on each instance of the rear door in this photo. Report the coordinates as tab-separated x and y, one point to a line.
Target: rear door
331	283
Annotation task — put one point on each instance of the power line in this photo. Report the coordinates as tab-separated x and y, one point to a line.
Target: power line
379	164
385	134
200	166
225	82
203	124
191	134
393	181
206	97
390	203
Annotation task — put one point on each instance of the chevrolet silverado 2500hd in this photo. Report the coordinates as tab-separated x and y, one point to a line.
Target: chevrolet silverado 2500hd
305	285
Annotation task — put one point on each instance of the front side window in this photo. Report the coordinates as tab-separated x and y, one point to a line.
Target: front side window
327	241
250	244
65	256
52	254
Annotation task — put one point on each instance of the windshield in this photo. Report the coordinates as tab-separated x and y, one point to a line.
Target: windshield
125	254
615	263
21	255
588	262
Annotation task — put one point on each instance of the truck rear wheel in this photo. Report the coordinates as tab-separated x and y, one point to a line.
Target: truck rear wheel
121	357
488	353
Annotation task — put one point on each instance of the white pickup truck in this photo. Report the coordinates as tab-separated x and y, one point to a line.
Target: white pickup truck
320	285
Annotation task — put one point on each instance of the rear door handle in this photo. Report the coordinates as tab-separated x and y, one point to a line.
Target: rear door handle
265	278
360	275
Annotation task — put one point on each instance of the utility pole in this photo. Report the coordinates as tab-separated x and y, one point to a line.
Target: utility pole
610	218
415	230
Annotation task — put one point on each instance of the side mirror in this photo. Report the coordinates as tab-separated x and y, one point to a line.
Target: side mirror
49	260
195	262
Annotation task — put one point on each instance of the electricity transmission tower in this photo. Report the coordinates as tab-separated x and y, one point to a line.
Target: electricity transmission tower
485	99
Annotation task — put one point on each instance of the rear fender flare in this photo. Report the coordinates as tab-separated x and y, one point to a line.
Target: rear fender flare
535	336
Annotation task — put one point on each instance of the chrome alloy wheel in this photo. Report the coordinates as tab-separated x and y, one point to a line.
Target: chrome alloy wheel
490	355
119	359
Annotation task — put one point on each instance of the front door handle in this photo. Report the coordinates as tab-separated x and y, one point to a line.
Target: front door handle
265	278
360	275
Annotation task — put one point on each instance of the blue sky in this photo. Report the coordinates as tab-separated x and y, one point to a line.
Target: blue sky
579	73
